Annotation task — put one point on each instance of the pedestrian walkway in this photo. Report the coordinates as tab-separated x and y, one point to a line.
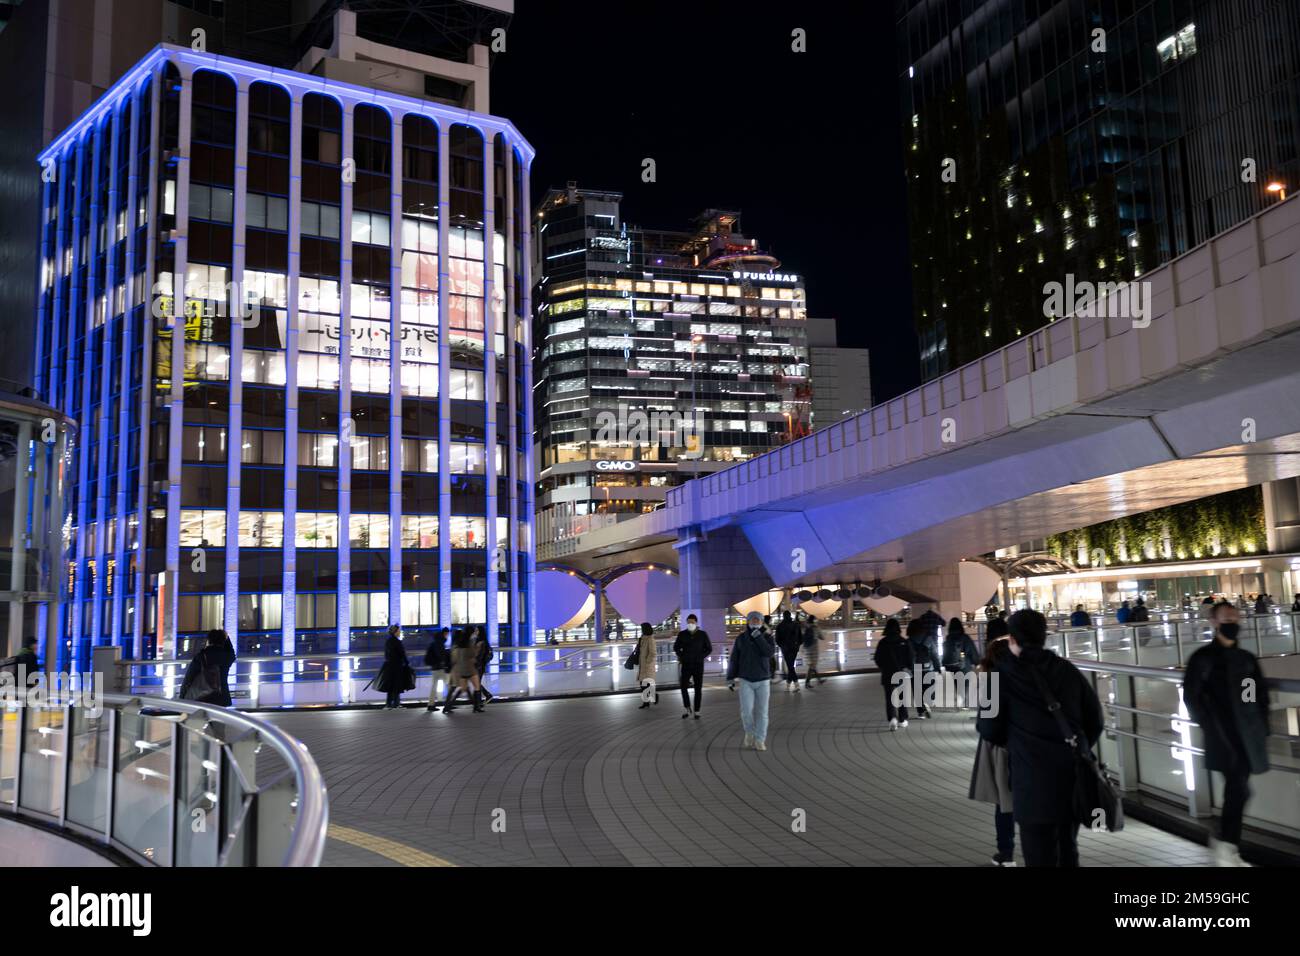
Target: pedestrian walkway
598	782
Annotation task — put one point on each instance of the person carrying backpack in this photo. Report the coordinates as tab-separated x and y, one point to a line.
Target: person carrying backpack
959	653
483	654
893	655
206	677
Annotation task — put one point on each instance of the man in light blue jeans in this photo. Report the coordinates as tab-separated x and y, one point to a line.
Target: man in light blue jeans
751	664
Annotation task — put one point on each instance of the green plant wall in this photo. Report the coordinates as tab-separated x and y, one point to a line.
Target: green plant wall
1223	525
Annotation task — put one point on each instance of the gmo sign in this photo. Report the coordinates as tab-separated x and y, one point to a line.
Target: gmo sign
616	466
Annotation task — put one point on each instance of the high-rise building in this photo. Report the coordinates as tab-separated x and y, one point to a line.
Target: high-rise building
214	231
1092	138
660	356
841	377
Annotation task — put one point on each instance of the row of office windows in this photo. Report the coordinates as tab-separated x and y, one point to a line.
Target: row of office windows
265	529
265	611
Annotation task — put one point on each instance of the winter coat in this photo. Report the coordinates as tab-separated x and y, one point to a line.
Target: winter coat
1080	619
751	656
1140	615
923	647
893	654
1235	730
1042	764
692	647
812	646
990	777
997	628
482	653
464	662
221	656
1123	615
788	636
396	674
646	663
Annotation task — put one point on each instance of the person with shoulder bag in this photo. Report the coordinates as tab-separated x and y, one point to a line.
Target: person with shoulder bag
206	677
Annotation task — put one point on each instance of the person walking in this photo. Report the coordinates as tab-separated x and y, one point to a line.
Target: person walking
207	675
464	672
1123	613
1226	695
894	656
991	776
1295	606
750	665
1043	766
959	653
647	666
692	647
23	664
997	627
438	659
788	639
812	650
1140	613
483	654
395	676
925	652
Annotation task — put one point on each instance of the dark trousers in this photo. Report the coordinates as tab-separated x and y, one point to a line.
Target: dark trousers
487	694
1005	825
1050	844
688	673
790	653
1236	791
393	698
890	711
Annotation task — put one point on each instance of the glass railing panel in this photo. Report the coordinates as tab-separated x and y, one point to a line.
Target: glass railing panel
1116	645
8	752
1160	767
1081	644
1275	634
142	801
198	804
44	743
1156	644
88	772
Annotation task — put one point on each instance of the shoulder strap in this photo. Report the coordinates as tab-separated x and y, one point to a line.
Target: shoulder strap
1054	706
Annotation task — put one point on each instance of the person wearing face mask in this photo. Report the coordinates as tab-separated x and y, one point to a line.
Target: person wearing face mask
692	647
751	664
1225	694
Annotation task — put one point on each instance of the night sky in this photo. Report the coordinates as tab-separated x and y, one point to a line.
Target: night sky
807	145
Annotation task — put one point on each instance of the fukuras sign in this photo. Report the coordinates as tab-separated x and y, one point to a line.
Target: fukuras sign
765	276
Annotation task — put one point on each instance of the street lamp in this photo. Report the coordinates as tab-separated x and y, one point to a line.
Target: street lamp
1279	188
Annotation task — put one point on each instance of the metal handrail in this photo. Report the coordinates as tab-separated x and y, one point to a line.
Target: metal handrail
309	806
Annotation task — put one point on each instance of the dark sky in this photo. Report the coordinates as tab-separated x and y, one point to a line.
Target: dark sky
806	145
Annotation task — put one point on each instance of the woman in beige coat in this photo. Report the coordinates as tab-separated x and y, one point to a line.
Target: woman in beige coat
647	666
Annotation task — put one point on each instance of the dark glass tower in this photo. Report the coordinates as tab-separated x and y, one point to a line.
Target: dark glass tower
1098	138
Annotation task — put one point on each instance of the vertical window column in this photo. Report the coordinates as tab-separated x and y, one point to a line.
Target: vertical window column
104	426
527	478
345	397
512	533
494	562
395	325
235	428
444	380
289	615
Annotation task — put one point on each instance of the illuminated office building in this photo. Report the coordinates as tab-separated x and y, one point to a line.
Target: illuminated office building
237	467
661	356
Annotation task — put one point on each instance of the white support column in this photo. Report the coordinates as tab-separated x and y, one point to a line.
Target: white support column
396	326
289	605
512	444
531	559
490	382
444	382
345	399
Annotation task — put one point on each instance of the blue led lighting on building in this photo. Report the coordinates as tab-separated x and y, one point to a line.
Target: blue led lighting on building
213	231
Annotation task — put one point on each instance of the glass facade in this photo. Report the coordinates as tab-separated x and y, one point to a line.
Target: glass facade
1096	138
662	355
244	284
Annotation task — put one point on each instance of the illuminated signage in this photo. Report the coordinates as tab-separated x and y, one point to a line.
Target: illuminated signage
609	242
616	466
765	276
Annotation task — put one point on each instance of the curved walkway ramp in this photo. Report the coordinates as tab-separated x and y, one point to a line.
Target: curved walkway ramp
598	782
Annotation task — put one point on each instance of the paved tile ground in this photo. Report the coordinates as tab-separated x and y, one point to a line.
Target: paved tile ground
598	782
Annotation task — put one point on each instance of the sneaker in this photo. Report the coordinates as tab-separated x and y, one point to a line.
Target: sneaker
685	714
697	715
893	723
760	745
903	724
795	687
1226	854
1000	860
749	742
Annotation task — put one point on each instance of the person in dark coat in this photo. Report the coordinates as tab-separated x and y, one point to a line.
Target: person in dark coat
750	664
959	653
925	651
483	654
395	676
1226	695
1080	617
438	658
1042	763
997	627
692	647
1140	613
207	676
23	664
991	776
788	639
894	656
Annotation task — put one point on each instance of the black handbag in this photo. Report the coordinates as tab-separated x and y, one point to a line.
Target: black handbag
634	658
1093	791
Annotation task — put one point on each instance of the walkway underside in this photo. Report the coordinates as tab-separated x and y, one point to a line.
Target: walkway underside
599	782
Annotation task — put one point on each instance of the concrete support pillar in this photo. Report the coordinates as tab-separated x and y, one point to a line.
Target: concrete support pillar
716	570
